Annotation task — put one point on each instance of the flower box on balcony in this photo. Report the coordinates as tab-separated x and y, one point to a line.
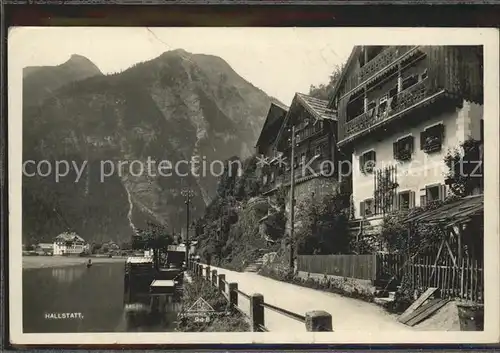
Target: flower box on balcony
432	145
404	155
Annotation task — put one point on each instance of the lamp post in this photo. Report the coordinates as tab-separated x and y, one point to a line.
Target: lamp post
188	195
292	197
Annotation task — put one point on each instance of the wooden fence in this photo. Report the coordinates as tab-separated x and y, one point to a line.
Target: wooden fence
314	321
463	280
353	266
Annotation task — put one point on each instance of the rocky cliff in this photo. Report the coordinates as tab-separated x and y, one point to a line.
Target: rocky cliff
177	107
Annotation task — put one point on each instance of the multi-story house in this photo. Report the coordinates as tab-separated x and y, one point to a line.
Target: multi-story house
315	149
400	109
69	244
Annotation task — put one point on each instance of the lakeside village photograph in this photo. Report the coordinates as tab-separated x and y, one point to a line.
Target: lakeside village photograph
350	198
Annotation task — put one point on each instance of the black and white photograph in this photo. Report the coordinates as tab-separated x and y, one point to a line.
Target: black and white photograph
253	185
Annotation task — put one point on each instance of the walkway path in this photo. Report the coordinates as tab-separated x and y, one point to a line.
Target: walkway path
347	314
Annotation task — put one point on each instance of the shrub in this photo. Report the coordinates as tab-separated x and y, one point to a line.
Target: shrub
233	321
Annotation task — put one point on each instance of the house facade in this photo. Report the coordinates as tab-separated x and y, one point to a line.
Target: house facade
400	110
69	244
315	152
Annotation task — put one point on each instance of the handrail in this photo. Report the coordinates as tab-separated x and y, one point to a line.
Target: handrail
262	328
316	321
243	293
285	312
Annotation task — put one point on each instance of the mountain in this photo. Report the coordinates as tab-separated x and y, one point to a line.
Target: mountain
178	107
39	82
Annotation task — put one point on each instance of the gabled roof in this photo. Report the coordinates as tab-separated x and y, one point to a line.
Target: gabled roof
275	112
318	108
69	236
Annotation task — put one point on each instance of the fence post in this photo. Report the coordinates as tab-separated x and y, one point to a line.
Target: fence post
233	294
200	270
207	273
214	278
256	311
222	284
318	321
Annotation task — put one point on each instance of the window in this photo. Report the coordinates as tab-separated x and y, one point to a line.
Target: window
367	208
264	179
303	158
406	200
371	105
318	151
409	81
367	162
382	105
318	126
433	193
403	148
272	177
355	107
431	139
393	91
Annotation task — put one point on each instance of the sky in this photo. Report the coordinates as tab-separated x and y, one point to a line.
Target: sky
280	61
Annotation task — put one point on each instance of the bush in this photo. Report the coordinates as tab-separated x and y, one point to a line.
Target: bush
233	321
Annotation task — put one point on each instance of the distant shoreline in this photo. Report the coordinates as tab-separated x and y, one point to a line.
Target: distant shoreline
36	262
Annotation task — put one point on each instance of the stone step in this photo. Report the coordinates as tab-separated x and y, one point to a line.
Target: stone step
383	301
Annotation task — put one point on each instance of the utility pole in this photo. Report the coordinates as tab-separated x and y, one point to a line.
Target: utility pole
188	195
292	199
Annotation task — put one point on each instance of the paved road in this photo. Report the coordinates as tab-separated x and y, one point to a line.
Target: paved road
347	314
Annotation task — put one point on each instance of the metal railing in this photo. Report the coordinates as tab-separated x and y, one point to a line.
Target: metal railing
314	320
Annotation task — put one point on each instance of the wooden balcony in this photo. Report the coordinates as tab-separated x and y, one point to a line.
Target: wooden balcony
385	60
284	178
411	98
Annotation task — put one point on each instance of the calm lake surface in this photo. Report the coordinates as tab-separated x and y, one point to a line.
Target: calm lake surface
95	295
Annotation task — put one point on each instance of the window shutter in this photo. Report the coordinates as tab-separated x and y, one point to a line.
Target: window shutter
412	199
422	140
423	200
395	201
372	207
441	132
442	192
411	142
362	209
395	150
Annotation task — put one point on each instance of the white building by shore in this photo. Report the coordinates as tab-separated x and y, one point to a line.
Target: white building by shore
69	243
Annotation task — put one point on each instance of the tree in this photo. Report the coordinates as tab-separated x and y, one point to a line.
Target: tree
322	226
465	168
323	91
156	237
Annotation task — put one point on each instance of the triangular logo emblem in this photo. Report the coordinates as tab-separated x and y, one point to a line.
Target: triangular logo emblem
201	306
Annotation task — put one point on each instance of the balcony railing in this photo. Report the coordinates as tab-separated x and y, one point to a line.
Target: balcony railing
301	173
385	59
405	99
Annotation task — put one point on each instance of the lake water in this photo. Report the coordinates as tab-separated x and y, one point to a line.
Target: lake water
94	297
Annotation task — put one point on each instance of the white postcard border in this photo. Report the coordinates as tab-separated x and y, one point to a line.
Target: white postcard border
386	36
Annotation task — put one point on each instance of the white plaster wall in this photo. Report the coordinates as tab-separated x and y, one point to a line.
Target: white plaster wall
423	169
